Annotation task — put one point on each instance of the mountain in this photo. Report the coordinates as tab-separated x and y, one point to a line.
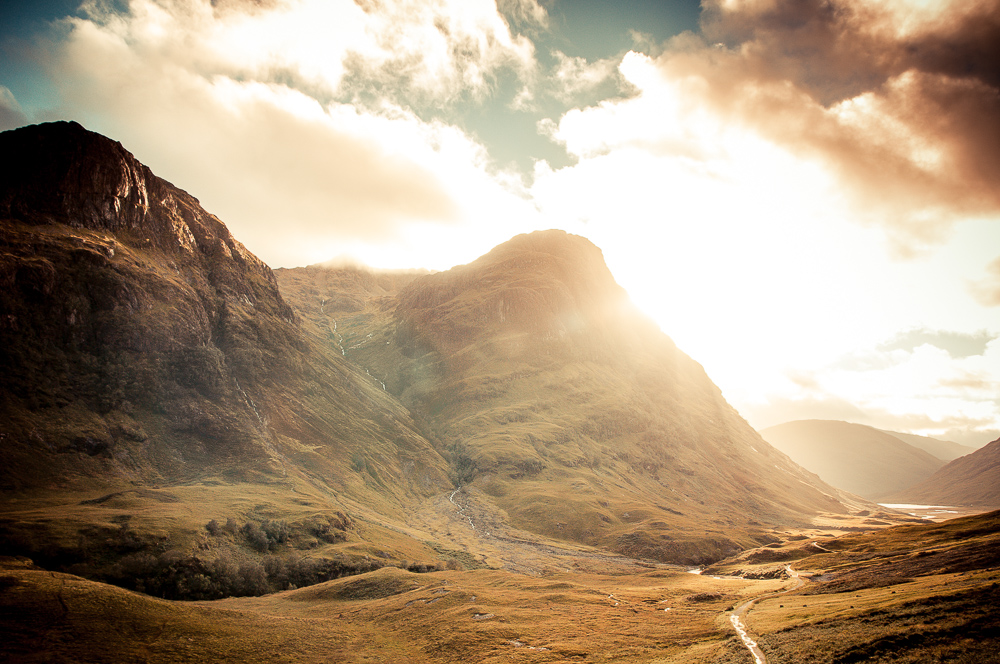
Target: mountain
152	367
853	457
945	450
972	480
175	418
559	405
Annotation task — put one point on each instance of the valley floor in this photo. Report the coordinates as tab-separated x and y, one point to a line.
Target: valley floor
909	594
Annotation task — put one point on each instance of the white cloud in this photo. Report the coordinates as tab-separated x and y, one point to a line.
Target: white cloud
195	93
574	76
924	390
744	191
437	50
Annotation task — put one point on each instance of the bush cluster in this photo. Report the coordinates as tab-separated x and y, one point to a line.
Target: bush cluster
263	537
174	576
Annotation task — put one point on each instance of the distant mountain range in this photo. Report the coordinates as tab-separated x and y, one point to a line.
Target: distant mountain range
892	467
945	450
858	458
160	383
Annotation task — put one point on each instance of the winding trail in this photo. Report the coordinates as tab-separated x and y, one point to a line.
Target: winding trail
739	624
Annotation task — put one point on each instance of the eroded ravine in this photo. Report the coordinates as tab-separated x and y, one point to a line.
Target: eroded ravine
462	521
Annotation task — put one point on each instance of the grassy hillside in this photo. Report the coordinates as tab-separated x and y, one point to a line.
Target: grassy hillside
555	400
908	594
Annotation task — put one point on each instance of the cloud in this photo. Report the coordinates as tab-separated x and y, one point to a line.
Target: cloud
573	77
11	115
524	15
957	344
939	384
900	100
237	102
435	51
987	290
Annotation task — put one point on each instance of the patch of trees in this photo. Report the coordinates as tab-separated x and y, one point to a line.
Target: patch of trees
267	536
172	575
262	537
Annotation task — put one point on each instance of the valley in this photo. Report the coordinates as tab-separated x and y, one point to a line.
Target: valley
202	459
910	593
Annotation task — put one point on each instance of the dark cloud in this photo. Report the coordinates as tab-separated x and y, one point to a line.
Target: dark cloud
957	344
837	49
904	106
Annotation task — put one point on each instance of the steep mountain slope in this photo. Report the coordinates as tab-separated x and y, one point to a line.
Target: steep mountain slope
945	450
972	480
853	457
142	345
560	404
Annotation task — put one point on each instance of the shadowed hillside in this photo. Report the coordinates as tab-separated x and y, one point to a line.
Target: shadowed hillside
154	378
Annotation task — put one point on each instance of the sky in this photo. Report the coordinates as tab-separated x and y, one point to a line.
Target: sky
804	194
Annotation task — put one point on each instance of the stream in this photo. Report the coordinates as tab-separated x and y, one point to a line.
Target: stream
738	615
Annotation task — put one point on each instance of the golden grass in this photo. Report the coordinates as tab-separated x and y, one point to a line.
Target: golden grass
390	614
598	610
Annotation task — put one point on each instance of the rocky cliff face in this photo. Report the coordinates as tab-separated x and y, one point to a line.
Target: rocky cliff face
141	340
143	345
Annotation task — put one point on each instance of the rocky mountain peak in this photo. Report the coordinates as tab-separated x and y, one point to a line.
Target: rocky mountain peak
66	174
547	285
61	173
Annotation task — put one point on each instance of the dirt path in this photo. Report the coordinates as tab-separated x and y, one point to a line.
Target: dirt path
738	616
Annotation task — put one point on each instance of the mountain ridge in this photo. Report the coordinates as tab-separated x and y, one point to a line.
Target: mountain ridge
971	480
563	406
854	457
162	390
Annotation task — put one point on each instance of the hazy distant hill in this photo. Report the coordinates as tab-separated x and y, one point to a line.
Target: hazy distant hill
972	480
853	457
557	401
945	450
